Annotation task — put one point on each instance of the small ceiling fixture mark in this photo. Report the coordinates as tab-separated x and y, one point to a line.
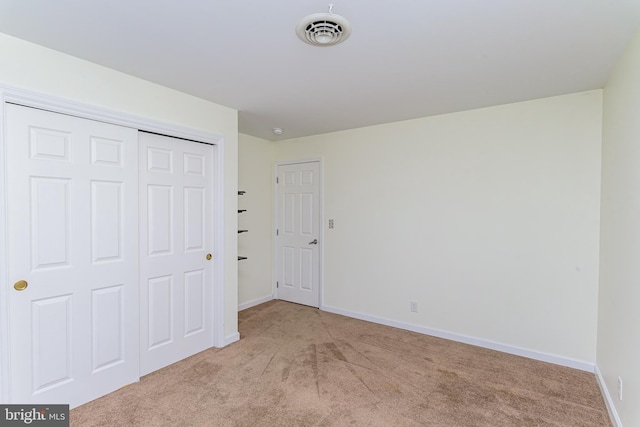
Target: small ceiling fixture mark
323	29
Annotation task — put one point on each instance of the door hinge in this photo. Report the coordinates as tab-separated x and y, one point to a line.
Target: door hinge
277	232
277	284
277	180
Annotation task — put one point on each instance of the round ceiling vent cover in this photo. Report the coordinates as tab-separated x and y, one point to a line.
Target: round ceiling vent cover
323	29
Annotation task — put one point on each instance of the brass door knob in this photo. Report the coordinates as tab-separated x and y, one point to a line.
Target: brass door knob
208	257
20	285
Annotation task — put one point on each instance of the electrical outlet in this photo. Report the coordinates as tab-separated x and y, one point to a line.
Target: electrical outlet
620	388
330	223
414	306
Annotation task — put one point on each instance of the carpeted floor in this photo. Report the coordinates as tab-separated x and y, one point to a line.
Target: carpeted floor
298	366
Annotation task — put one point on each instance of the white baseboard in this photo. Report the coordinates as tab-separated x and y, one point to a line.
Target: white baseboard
230	339
613	412
255	302
505	348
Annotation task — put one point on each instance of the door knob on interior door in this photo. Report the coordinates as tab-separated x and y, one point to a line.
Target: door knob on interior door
314	242
20	285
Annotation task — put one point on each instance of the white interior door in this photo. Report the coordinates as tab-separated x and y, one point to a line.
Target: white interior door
176	237
72	209
298	233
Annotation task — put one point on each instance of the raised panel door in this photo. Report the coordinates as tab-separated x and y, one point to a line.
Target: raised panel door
297	241
176	234
72	207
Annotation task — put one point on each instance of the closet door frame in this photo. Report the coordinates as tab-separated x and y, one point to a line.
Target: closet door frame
32	99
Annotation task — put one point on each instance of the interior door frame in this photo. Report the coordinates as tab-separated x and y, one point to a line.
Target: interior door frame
276	257
9	94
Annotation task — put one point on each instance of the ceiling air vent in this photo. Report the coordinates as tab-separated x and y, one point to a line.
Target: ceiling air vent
323	29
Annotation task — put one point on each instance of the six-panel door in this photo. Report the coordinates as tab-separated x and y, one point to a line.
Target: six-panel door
298	225
176	235
72	225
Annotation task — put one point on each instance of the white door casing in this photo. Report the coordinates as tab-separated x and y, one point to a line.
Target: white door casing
298	239
176	234
71	188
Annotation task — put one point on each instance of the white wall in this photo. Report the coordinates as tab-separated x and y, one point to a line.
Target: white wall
619	303
489	219
255	176
29	66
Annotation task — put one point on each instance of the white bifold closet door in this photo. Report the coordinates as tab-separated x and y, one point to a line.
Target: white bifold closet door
176	244
72	219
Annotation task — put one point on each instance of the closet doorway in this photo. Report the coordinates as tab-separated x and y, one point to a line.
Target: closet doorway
112	267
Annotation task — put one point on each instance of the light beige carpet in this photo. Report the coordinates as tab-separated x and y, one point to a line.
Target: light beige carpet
298	366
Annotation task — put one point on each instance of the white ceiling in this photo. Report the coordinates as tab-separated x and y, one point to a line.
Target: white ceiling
405	58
